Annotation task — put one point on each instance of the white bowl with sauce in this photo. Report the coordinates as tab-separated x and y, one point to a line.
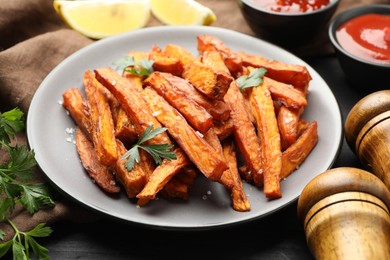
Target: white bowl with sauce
288	22
361	38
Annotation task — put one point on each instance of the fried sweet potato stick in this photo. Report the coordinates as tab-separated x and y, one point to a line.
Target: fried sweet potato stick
195	114
214	60
212	139
180	53
187	175
103	135
297	153
268	131
161	176
164	63
217	108
244	133
302	125
132	102
296	75
75	103
223	129
232	60
288	126
239	199
138	55
132	181
207	160
202	77
124	128
230	178
179	186
285	93
176	189
99	172
136	108
77	106
214	85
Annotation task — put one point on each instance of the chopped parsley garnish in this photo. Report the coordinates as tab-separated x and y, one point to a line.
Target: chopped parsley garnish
142	68
254	79
157	151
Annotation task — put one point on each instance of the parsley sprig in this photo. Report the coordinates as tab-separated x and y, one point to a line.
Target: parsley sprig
23	241
18	170
15	187
254	78
142	68
157	151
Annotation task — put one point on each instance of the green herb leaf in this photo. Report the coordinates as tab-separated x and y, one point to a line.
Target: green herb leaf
19	251
41	230
132	156
5	204
142	68
254	79
157	151
35	196
4	247
10	123
21	162
22	242
150	133
122	63
14	188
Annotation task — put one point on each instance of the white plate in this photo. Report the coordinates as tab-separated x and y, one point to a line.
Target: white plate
209	203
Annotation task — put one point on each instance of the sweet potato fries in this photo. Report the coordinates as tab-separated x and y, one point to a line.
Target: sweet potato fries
152	126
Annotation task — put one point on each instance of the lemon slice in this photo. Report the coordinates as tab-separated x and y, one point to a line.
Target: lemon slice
182	12
98	19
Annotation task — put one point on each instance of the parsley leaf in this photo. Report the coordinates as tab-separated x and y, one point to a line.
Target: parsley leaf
10	123
254	79
142	68
13	176
157	151
23	241
14	188
122	63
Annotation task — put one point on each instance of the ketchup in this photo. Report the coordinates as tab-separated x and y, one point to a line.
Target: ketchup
291	6
367	37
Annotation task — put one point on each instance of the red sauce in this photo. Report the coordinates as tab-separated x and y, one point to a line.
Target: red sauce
291	6
367	36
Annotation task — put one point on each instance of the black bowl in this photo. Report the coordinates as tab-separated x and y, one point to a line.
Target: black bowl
286	28
365	75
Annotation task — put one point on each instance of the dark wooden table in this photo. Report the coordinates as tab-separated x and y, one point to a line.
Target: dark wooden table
277	236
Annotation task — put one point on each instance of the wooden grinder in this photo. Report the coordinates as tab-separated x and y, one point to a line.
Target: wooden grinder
345	211
345	215
367	131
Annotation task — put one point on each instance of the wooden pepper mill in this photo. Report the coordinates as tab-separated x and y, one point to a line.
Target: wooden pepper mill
345	215
367	132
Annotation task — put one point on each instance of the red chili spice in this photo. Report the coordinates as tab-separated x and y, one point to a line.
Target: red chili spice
291	6
367	36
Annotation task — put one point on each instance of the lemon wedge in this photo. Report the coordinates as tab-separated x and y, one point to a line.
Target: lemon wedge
182	12
98	19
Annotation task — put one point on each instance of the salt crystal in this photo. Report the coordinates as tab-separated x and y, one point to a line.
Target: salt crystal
156	113
199	134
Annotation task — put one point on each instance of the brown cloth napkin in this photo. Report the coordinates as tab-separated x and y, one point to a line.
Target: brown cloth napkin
33	40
